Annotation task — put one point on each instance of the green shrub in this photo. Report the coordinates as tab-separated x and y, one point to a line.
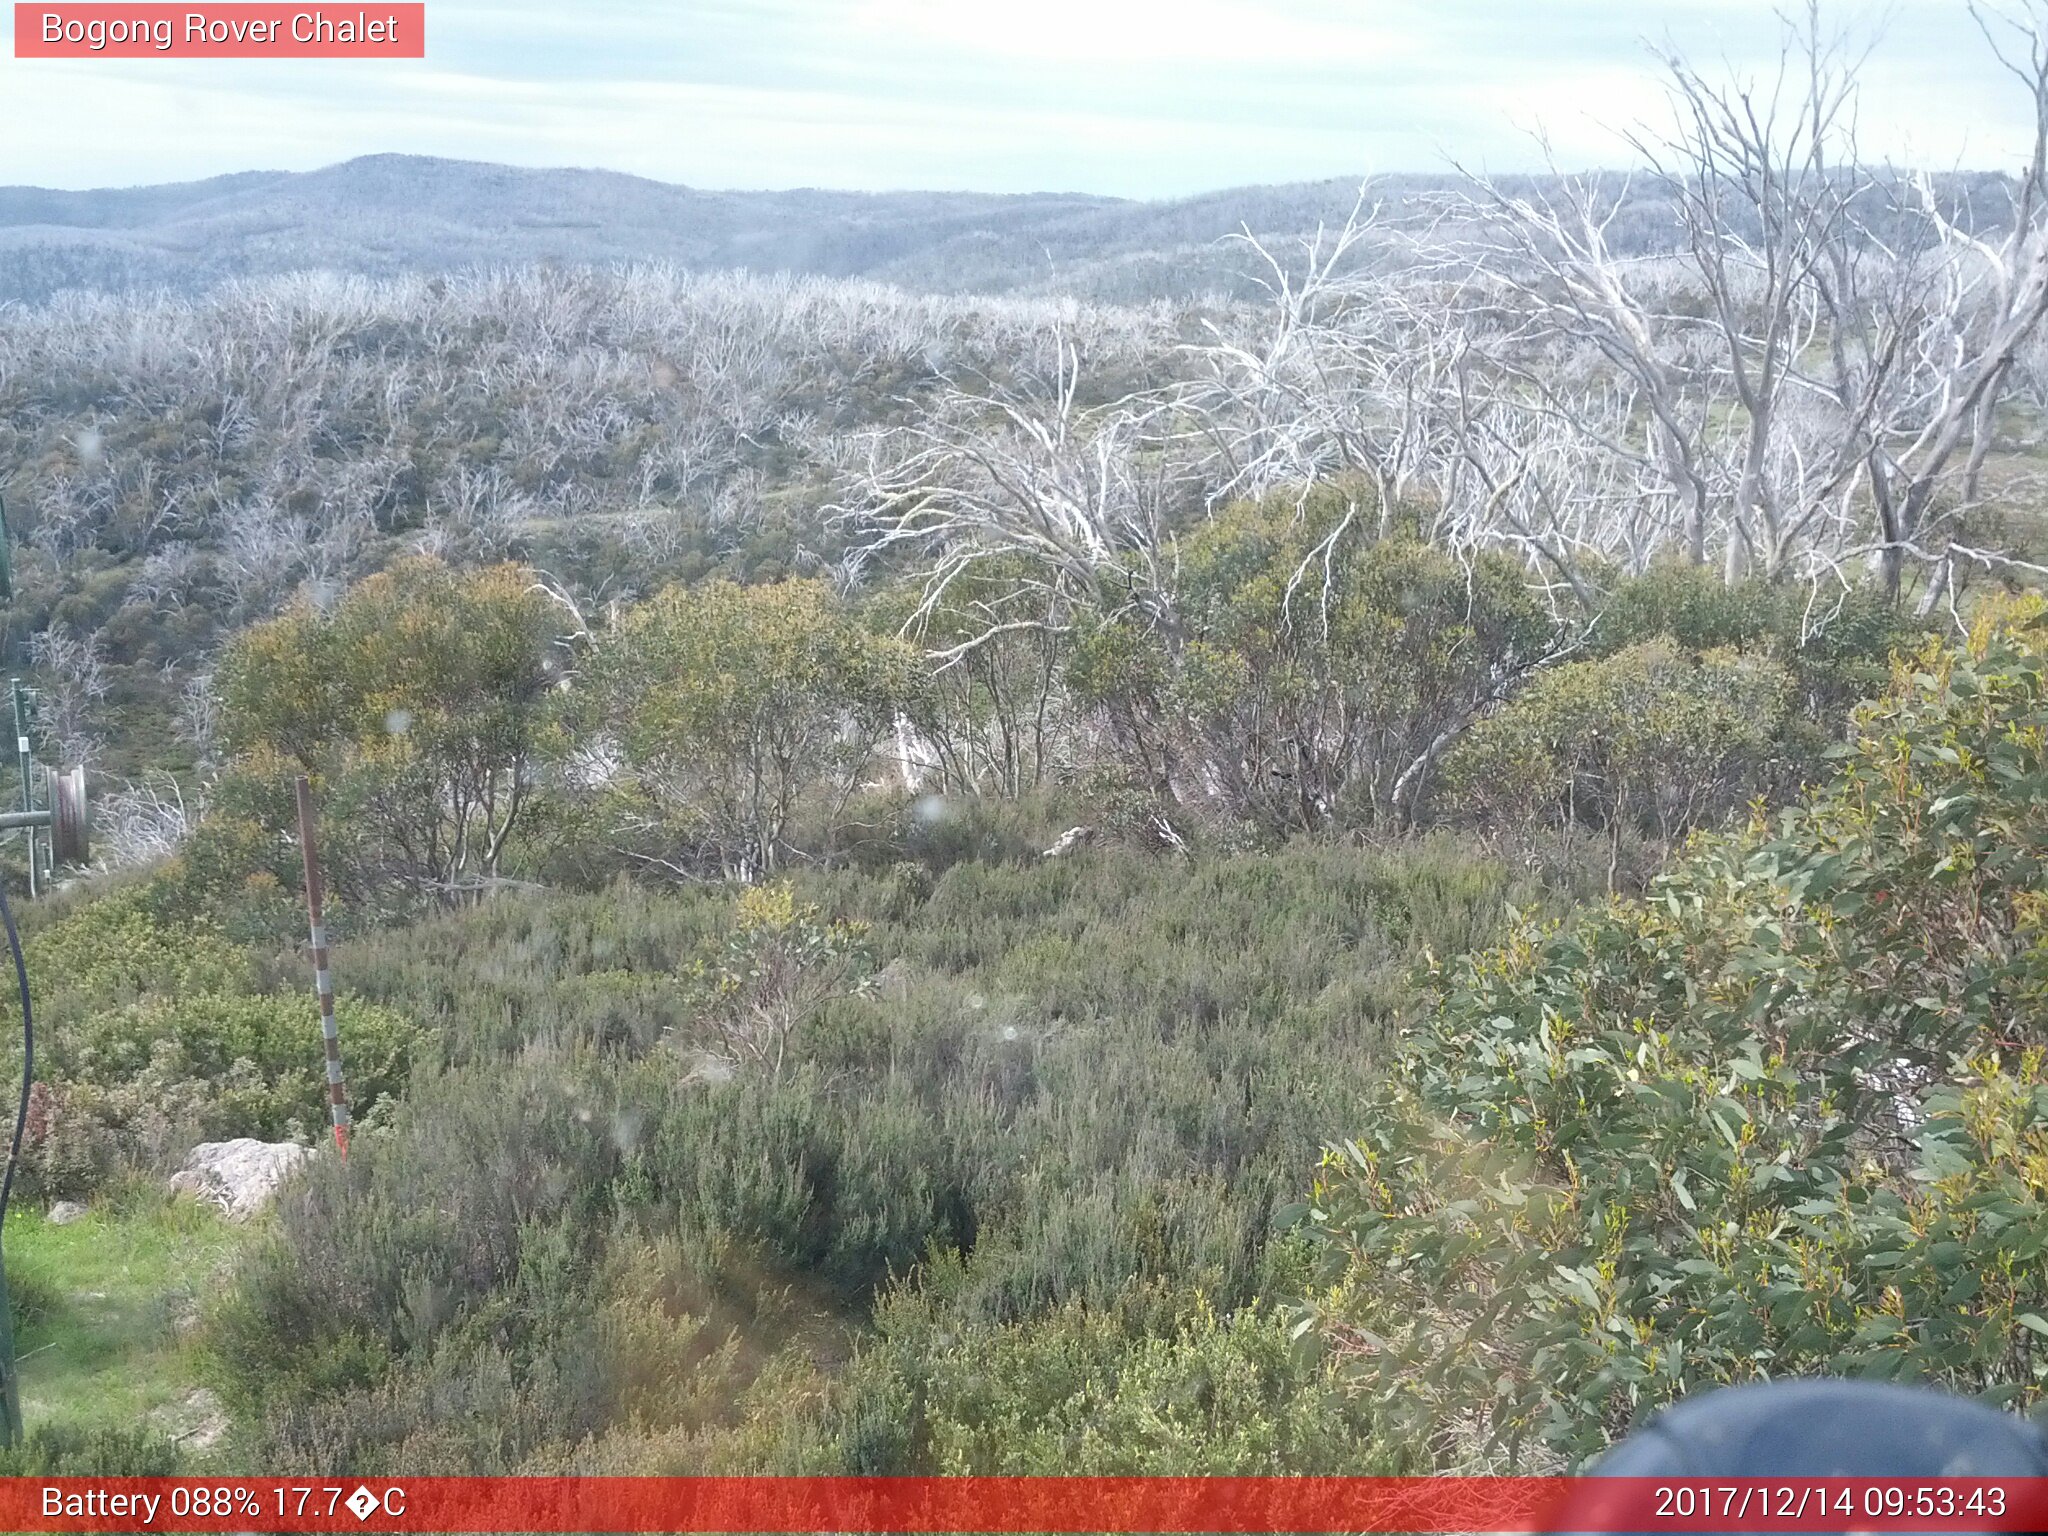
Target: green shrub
151	1038
782	964
933	831
1652	740
260	1058
422	700
119	950
1318	664
81	1137
627	1364
1789	1113
1837	642
1158	1383
1072	1077
426	1237
105	1450
996	714
735	707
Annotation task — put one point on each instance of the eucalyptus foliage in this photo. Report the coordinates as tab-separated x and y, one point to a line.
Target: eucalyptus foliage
1786	1114
732	707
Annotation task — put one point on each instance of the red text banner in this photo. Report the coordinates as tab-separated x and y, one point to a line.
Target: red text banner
237	31
997	1504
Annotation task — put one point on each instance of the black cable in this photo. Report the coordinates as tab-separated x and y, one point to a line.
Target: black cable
28	1053
10	1386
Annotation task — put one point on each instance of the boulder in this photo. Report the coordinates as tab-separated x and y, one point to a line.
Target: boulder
1068	841
239	1176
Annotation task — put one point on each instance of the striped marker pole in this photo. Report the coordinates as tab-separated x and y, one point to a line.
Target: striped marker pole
323	982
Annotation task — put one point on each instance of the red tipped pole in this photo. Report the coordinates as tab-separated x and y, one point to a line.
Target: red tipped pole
323	982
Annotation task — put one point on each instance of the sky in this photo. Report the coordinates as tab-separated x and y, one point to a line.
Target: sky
1134	98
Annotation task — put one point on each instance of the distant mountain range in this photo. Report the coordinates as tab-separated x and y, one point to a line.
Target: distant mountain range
384	214
391	213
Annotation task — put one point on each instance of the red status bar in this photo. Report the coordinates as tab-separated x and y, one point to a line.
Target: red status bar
214	31
1010	1504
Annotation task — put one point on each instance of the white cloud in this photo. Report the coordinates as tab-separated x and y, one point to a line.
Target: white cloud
1148	33
1138	97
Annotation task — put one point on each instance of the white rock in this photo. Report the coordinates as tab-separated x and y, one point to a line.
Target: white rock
239	1176
1069	840
65	1212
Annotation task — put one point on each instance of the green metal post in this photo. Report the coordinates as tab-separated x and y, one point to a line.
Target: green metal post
27	777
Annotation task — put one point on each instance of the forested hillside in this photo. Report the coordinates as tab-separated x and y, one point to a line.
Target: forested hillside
179	468
1380	870
392	215
387	215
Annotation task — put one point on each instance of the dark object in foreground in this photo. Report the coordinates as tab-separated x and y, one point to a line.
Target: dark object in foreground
1829	1429
1818	1456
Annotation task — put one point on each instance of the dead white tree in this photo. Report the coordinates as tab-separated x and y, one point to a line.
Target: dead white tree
1822	382
72	676
142	822
1296	396
1071	490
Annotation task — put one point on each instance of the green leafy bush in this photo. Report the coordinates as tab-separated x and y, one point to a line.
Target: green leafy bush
421	699
1321	665
152	1037
735	707
445	1231
1158	1383
1836	642
1786	1114
119	950
994	712
1652	740
781	965
59	1450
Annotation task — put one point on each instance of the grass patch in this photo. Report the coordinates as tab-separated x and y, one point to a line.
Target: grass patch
105	1310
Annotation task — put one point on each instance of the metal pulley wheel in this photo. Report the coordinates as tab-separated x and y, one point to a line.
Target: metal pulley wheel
70	828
